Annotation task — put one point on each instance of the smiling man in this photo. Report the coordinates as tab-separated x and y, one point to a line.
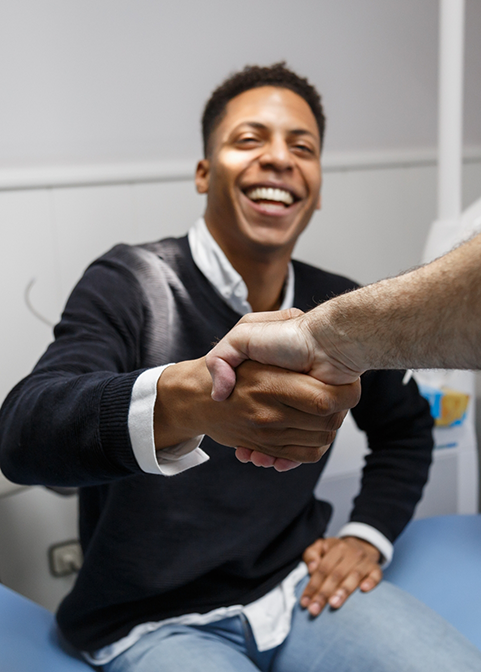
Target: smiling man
203	571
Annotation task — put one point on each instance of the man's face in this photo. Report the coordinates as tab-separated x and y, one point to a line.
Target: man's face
263	175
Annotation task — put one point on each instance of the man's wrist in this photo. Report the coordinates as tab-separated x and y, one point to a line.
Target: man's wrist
176	419
371	535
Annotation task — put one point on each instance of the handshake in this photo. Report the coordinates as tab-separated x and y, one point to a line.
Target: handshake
328	387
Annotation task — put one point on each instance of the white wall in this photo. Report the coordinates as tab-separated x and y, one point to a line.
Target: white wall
127	79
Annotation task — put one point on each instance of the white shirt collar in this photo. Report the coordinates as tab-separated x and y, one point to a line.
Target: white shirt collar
212	262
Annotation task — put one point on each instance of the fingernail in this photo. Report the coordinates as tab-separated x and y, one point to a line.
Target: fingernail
335	601
312	566
315	609
305	601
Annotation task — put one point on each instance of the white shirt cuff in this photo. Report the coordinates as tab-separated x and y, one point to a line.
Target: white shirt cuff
168	461
373	536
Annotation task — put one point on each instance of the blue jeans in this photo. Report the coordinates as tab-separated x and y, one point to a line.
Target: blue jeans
386	630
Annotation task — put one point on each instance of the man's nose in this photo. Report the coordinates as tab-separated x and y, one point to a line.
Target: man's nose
276	155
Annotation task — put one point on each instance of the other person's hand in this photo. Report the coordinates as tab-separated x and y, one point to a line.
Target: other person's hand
282	339
337	567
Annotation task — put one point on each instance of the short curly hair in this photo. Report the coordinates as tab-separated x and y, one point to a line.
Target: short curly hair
252	77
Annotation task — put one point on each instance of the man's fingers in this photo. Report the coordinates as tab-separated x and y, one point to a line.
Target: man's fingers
342	566
281	464
372	579
351	583
311	396
300	454
313	554
313	598
243	454
261	459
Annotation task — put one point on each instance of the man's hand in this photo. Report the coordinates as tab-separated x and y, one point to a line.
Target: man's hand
337	567
277	413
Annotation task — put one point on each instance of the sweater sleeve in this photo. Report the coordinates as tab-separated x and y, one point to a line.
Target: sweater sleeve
398	425
67	422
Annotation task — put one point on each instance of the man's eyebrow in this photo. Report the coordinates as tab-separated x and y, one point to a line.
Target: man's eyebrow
303	131
254	124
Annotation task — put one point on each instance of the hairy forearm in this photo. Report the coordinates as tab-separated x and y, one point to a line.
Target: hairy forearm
427	318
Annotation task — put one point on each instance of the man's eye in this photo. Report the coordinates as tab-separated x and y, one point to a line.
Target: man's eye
247	141
304	149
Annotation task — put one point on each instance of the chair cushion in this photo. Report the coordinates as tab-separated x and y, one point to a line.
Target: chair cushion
438	560
29	640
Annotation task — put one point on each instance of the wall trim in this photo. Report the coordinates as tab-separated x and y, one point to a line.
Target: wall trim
96	174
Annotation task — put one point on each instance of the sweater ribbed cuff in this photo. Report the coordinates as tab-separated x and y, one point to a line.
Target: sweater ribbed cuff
114	429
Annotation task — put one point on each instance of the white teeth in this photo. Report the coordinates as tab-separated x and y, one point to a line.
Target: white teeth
270	194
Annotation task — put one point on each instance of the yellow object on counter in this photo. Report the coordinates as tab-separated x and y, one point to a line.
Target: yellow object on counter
453	407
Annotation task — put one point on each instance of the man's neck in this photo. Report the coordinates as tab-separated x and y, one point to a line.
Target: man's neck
265	282
264	272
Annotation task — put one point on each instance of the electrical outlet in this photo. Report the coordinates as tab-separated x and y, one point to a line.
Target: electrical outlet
65	558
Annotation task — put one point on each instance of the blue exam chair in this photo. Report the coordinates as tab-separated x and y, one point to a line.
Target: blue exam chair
28	638
438	560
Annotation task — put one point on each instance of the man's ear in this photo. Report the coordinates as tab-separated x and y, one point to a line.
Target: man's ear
319	202
202	176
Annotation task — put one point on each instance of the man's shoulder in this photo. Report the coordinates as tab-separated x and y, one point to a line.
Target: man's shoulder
314	285
166	248
141	260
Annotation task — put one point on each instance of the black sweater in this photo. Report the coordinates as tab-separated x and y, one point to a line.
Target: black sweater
219	534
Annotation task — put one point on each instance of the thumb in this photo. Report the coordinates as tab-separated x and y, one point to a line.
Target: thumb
221	362
223	376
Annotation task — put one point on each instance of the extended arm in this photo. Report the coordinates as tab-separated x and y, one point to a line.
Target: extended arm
68	422
427	318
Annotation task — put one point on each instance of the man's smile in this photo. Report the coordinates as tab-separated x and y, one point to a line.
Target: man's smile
271	199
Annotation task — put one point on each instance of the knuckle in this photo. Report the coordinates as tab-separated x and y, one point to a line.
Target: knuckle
356	576
323	403
312	587
336	576
329	438
293	312
317	579
334	422
249	317
320	597
261	418
305	455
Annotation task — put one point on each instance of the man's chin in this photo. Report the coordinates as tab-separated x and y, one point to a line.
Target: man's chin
270	238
